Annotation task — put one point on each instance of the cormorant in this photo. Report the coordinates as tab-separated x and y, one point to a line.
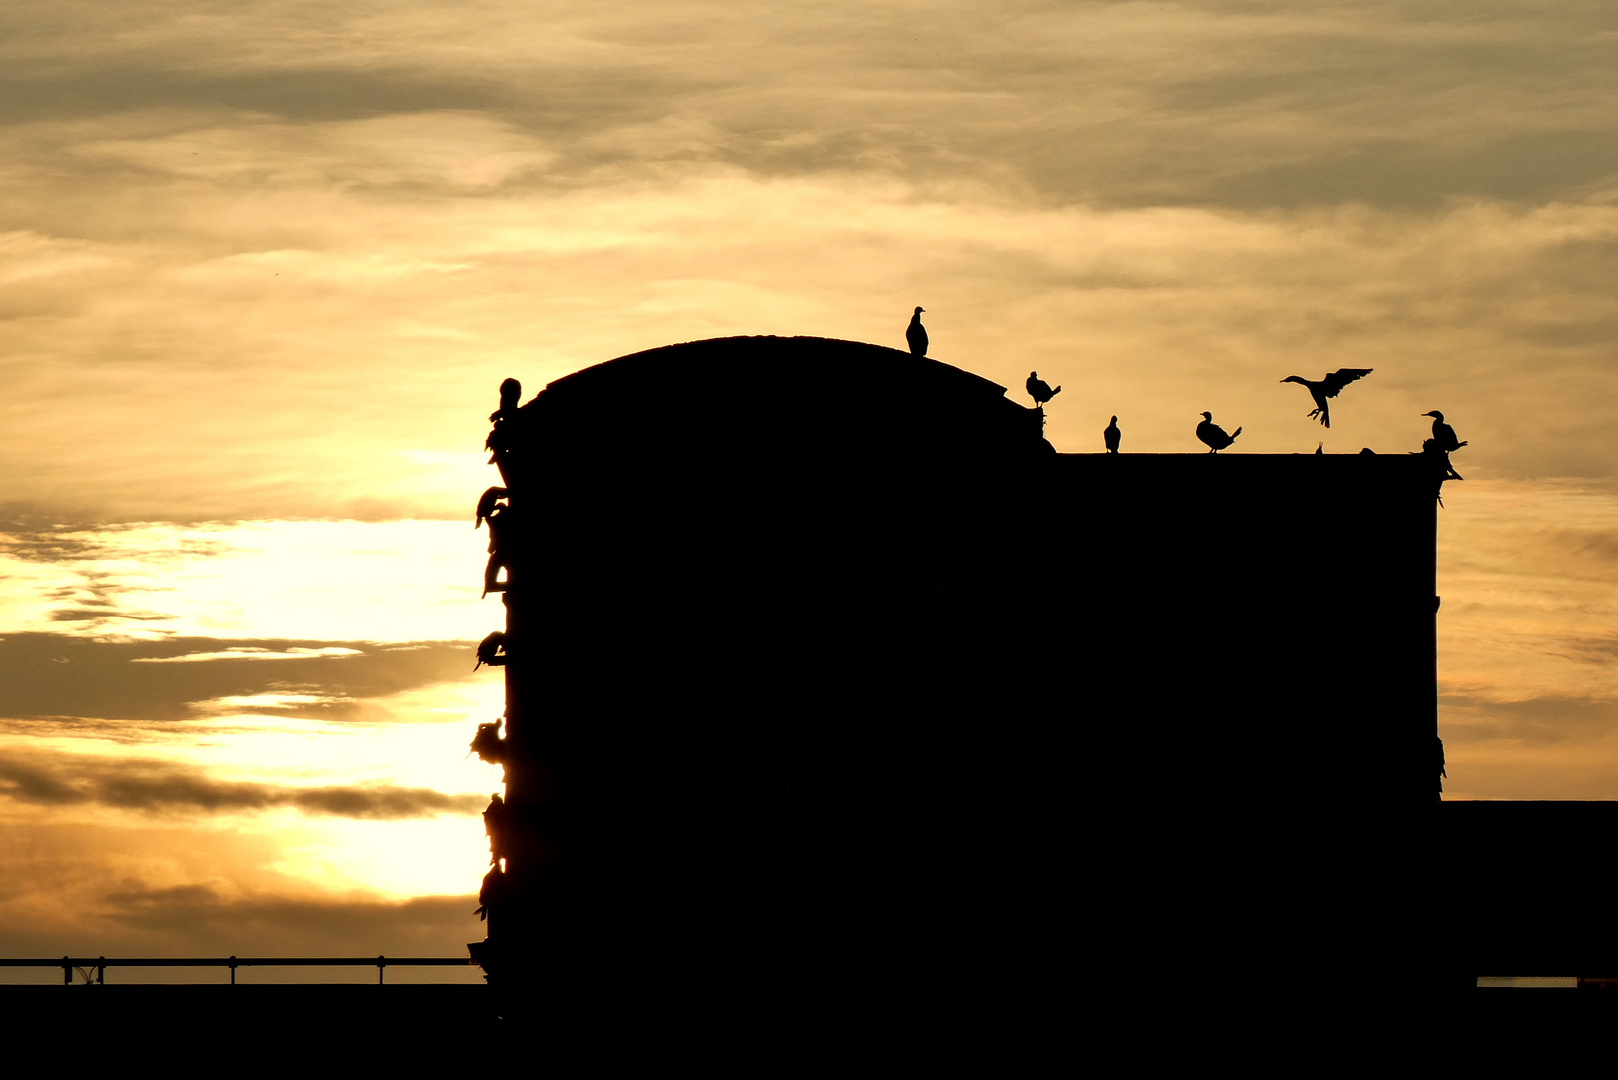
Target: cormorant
1443	434
487	743
1213	435
1329	387
487	503
510	394
491	650
916	334
1039	389
1112	436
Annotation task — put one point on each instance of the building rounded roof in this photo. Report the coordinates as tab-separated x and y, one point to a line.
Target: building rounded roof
776	398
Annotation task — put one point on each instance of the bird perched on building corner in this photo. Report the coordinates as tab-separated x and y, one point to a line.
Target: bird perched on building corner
1329	387
1039	389
1112	436
492	650
916	334
487	504
1213	435
1443	434
510	394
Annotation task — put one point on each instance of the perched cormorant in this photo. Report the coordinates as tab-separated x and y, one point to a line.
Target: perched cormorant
1213	435
510	394
1039	389
487	503
492	650
1112	436
916	334
487	743
1329	387
1443	434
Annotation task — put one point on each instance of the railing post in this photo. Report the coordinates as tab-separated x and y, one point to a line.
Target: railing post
233	969
67	971
381	965
101	971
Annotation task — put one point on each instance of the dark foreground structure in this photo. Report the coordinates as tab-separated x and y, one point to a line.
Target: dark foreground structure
833	690
838	703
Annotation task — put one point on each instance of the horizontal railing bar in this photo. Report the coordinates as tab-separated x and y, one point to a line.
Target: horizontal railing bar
238	961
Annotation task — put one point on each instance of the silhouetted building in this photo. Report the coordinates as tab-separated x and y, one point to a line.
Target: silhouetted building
823	697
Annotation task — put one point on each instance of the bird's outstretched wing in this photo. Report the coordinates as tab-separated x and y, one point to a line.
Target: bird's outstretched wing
1332	384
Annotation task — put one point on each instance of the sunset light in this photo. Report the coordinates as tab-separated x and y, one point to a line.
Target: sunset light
263	269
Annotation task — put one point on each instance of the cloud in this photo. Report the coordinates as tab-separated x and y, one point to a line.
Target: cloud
1538	721
249	652
377	581
165	787
66	907
54	675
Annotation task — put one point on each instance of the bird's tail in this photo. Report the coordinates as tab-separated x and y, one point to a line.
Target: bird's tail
1235	433
1058	390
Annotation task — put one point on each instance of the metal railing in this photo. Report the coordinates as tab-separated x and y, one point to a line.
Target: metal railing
100	964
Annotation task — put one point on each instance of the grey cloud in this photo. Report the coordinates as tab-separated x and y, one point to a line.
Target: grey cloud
1601	547
134	918
106	680
164	787
305	94
1122	104
434	925
1541	721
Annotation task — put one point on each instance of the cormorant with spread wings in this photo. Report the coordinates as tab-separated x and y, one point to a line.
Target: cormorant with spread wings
1327	388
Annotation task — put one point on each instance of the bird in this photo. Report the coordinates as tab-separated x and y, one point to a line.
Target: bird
916	334
510	394
1443	434
1039	389
1111	435
1213	435
492	650
1329	387
488	503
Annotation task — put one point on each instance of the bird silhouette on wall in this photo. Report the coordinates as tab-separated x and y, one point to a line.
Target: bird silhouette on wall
916	334
492	650
487	503
1112	436
1213	435
1327	388
1039	389
510	394
1443	434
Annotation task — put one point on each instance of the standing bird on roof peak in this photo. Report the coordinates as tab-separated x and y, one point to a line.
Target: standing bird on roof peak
1039	389
1112	436
1327	388
1443	434
1213	435
916	334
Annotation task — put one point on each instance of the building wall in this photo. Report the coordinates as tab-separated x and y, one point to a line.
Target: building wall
905	699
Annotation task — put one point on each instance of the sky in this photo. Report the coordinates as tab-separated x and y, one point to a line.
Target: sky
262	269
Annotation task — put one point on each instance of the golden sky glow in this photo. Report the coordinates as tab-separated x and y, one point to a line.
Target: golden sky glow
262	268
